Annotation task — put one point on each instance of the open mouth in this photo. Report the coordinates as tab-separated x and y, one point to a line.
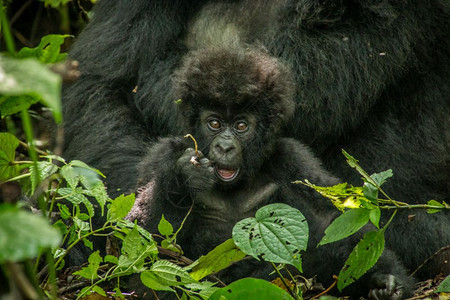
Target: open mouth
226	174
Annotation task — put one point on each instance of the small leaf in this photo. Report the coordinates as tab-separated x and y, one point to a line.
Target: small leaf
345	225
382	177
164	227
363	257
250	289
44	170
444	287
64	211
76	197
99	290
90	272
370	192
434	203
69	174
48	50
277	234
374	216
120	207
218	259
8	145
23	234
111	259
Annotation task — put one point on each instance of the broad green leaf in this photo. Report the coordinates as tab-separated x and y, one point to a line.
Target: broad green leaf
90	272
250	289
142	231
30	77
79	163
10	105
76	197
164	227
168	274
345	225
69	174
363	257
150	280
44	170
218	259
23	234
48	51
444	287
277	234
204	288
8	145
120	207
62	228
135	249
434	203
98	191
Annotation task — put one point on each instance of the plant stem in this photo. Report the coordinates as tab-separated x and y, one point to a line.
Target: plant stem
7	36
284	282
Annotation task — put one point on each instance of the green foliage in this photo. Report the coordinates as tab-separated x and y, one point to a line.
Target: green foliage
363	257
218	259
444	287
48	51
23	235
345	225
30	78
250	289
277	234
8	145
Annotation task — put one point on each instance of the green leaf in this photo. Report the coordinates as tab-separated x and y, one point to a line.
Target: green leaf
8	145
353	162
99	290
444	287
44	170
79	163
23	234
10	105
62	228
135	249
30	77
380	178
277	234
345	225
76	197
48	50
169	274
218	259
98	191
56	3
370	192
150	280
374	216
250	289
90	272
120	207
434	203
164	227
111	259
69	174
64	211
363	257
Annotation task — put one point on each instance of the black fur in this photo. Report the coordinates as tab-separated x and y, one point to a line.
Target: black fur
252	88
371	78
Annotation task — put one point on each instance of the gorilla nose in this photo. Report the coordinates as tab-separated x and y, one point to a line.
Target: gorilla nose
224	147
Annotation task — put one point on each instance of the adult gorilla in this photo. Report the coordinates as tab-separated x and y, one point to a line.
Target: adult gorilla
372	78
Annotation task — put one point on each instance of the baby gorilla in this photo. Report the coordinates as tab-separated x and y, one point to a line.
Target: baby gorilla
235	102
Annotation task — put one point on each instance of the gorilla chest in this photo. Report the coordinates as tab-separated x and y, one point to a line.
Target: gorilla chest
226	207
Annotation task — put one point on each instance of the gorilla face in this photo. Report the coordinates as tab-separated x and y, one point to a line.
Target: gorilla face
224	139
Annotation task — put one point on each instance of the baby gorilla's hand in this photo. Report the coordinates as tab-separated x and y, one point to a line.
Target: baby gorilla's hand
385	287
197	171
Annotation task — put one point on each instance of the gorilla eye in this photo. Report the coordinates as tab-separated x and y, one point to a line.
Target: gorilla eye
214	124
241	126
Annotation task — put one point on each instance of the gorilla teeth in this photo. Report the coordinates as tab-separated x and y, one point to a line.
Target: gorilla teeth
226	175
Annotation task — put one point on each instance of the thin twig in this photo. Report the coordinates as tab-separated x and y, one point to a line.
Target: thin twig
430	258
328	289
